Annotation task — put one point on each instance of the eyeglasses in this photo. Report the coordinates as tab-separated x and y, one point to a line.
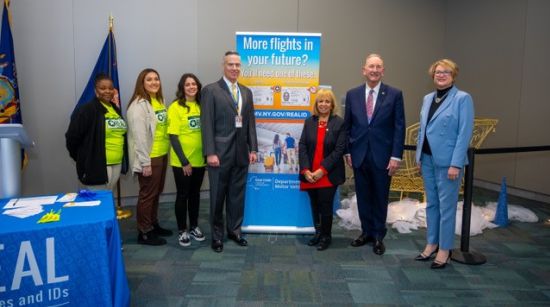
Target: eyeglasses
442	72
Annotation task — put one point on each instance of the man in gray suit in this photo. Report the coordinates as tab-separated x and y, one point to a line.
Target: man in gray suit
229	144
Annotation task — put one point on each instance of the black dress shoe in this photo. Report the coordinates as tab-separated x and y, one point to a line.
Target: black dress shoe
422	257
362	240
163	232
323	244
238	239
217	246
314	240
379	247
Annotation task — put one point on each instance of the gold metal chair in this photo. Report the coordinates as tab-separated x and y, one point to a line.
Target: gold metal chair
408	179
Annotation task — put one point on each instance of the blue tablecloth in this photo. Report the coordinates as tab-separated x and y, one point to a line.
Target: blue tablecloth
74	262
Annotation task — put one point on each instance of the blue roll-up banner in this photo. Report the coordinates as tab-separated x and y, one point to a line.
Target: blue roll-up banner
282	70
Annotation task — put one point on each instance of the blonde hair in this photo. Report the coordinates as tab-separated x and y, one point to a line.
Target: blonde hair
444	62
326	93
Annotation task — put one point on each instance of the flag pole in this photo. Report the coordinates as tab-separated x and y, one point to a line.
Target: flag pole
120	213
7	4
111	19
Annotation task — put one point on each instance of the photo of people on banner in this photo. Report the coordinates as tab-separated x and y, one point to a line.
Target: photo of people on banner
278	148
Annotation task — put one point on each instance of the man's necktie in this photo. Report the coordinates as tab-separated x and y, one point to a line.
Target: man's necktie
370	105
234	93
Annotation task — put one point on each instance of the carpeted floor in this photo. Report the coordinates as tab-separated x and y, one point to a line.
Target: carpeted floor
281	270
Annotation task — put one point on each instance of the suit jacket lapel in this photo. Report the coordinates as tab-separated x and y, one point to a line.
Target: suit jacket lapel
227	91
243	98
426	109
313	131
379	101
446	103
329	129
363	101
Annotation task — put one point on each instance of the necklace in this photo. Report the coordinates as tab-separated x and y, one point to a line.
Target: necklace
439	99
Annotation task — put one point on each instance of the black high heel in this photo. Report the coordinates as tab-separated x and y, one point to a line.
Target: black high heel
440	265
422	257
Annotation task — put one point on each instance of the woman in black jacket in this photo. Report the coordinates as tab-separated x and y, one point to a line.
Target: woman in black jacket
322	169
96	138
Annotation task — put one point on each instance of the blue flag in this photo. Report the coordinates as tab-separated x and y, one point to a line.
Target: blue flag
10	110
107	64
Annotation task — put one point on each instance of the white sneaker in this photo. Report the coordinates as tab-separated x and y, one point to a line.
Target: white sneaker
196	234
184	239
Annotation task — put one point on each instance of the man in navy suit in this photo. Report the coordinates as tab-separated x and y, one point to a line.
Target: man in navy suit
375	123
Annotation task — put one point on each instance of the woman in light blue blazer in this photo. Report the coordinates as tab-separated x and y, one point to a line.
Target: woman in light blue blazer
446	124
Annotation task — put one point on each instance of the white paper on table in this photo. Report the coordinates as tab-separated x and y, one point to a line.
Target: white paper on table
67	197
23	212
30	201
92	203
11	203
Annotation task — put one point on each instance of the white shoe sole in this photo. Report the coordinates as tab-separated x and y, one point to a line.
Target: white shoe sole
184	244
197	239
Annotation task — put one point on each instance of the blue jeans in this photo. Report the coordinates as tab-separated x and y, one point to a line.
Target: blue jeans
278	156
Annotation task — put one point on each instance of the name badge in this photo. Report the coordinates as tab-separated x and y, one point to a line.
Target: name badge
238	121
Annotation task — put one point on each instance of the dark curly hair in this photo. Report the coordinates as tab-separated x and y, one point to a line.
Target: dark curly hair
180	93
